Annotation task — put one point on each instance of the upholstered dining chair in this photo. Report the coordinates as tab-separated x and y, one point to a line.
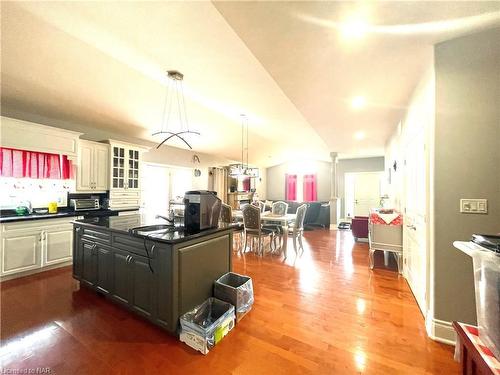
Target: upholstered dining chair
277	208
297	230
226	216
254	231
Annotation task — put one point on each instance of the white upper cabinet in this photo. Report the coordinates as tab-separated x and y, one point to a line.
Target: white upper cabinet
125	166
24	135
125	174
93	161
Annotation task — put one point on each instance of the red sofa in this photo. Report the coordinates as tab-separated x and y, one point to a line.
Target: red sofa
359	227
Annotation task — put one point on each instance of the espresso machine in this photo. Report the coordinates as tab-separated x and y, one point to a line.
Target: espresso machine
201	210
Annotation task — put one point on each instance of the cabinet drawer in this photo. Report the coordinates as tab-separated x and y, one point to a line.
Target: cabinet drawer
133	245
94	235
124	202
35	226
124	194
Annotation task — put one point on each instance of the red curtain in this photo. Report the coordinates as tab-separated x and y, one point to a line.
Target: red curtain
290	187
246	184
310	188
20	163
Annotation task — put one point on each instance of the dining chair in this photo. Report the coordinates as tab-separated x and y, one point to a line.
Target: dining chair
297	229
253	229
279	208
261	205
226	216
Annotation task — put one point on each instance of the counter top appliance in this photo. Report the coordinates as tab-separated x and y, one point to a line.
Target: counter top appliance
201	210
84	204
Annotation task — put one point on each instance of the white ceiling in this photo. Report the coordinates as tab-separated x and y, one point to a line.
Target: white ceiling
301	45
103	64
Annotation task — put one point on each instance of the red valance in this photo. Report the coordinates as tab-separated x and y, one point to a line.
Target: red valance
29	164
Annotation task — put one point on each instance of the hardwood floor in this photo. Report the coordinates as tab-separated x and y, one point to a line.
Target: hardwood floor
322	313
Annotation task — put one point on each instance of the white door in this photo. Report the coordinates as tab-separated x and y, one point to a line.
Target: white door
21	253
85	166
101	167
156	186
363	189
414	229
57	246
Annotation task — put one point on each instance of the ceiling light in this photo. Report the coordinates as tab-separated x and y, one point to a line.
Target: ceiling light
354	28
174	100
358	102
359	135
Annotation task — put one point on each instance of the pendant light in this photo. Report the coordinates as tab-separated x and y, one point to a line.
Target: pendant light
174	101
242	169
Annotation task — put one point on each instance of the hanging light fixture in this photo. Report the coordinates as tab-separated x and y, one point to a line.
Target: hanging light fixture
242	168
174	99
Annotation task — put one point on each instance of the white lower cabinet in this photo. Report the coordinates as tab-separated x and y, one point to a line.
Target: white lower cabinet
58	246
34	245
20	253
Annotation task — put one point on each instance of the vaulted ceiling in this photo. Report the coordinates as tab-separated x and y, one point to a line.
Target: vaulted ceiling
284	64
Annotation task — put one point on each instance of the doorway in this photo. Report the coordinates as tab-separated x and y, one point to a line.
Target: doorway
362	192
155	189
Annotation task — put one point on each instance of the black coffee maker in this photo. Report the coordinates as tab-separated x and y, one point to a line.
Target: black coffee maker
201	210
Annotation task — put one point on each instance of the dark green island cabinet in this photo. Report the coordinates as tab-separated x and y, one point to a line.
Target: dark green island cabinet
159	276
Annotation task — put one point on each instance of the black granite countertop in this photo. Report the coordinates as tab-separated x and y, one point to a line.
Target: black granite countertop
9	216
127	225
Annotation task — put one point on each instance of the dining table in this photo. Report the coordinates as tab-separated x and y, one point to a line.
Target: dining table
268	217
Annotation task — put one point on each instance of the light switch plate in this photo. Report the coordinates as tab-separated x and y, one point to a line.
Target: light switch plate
474	206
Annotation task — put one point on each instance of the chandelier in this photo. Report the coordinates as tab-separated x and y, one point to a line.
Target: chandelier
174	101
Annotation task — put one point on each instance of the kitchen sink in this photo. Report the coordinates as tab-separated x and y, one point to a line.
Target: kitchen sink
150	229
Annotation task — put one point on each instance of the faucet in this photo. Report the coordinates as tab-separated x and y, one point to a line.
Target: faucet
170	221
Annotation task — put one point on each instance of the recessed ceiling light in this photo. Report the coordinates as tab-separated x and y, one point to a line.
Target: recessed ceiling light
354	28
358	102
359	135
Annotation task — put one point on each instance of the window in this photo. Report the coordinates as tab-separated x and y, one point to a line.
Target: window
310	190
290	187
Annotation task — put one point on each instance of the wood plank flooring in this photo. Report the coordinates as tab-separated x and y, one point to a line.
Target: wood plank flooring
322	313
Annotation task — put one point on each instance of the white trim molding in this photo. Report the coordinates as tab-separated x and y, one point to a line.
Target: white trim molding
441	331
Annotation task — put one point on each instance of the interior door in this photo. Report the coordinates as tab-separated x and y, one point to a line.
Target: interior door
414	229
366	192
156	187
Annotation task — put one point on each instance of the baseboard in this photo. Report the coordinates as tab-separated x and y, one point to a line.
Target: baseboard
441	331
34	272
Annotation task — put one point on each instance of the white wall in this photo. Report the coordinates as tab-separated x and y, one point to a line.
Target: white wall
275	178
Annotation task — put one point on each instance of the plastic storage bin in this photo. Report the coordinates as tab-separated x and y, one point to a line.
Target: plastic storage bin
237	290
207	324
486	263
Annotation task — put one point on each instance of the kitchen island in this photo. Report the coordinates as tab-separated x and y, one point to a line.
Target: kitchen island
154	270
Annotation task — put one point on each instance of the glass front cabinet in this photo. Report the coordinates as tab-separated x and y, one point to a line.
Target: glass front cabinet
125	166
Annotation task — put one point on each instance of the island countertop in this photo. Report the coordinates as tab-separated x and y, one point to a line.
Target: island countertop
127	224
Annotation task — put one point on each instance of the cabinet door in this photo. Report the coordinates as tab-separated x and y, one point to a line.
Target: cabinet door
117	167
89	269
121	276
84	176
57	246
78	253
21	253
142	286
104	269
101	167
133	169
